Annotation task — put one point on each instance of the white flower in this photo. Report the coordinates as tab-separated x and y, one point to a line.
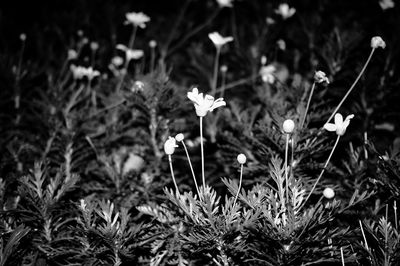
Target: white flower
285	11
72	54
339	126
152	44
225	3
241	158
130	53
288	126
117	61
179	137
169	146
267	73
134	162
281	44
320	77
78	72
94	46
138	19
329	193
386	4
377	42
22	37
203	104
218	39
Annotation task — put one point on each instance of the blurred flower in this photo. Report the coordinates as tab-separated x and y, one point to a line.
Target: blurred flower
152	44
117	61
320	77
72	54
225	3
285	11
138	19
224	68
267	73
263	60
130	53
169	146
377	42
386	4
137	86
78	72
218	39
270	21
22	37
203	104
133	163
281	44
94	46
339	126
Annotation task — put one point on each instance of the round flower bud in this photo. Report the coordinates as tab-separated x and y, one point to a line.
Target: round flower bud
169	146
224	68
152	44
241	158
377	42
329	193
179	137
288	126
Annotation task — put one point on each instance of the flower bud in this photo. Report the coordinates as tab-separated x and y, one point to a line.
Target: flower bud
329	193
377	42
241	158
288	126
169	146
152	44
320	77
179	137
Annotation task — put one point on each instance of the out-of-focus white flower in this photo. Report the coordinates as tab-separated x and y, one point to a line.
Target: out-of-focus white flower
117	61
137	86
203	104
285	11
179	137
320	77
386	4
72	54
134	162
152	44
270	21
131	54
78	72
241	158
224	68
138	19
268	73
169	146
225	3
281	44
288	126
329	193
377	42
218	39
94	46
22	37
339	126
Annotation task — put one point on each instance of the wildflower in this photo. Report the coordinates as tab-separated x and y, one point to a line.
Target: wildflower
133	163
179	137
320	77
281	44
72	54
225	3
270	21
169	146
288	126
22	37
79	72
137	86
130	53
117	61
386	4
377	42
267	73
285	11
339	126
219	40
203	104
224	68
137	19
152	44
94	46
329	193
241	158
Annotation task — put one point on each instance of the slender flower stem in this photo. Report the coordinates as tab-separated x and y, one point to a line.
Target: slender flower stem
223	83
191	168
202	152
286	167
322	172
133	36
396	222
215	75
240	184
353	85
308	105
363	234
341	253
172	172
152	58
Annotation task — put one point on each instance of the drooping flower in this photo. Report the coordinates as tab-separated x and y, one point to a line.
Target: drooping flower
267	73
377	42
386	4
225	3
320	77
138	19
285	11
203	104
79	72
131	54
218	39
339	126
170	145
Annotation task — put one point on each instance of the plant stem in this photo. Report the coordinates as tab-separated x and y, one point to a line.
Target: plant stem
341	254
152	58
202	152
308	105
240	185
363	234
352	86
133	36
223	83
322	172
396	222
215	75
172	172
286	167
191	168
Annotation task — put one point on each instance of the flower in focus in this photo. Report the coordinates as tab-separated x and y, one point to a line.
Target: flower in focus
79	72
138	19
241	158
218	39
179	137
285	11
320	77
169	146
329	193
130	53
267	73
225	3
203	104
386	4
377	42
288	126
339	126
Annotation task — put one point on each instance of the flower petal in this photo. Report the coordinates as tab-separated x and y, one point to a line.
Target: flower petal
330	127
338	119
